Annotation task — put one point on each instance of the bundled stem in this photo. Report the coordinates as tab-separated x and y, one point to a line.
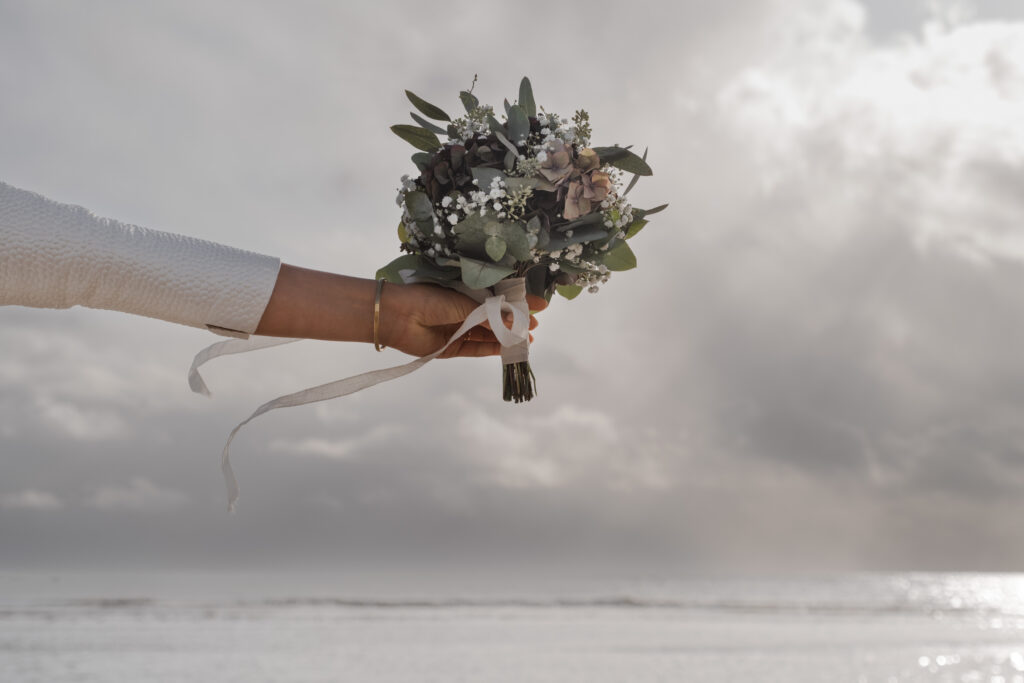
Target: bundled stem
518	382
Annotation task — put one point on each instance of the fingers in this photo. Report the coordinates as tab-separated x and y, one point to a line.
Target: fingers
473	349
536	303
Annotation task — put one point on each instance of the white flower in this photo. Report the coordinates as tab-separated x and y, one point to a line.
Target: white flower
446	201
452	218
542	156
553	267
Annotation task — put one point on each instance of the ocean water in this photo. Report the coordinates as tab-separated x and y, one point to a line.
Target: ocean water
211	628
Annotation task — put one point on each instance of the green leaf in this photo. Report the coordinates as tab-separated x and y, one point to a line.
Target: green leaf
495	247
514	236
478	274
508	108
586	233
485	176
505	141
427	124
635	227
570	292
518	123
495	126
420	138
526	97
619	257
632	183
419	205
390	272
469	100
470	225
595	218
643	213
620	157
421	159
403	234
427	108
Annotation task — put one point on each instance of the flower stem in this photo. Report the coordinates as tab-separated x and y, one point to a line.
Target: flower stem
519	383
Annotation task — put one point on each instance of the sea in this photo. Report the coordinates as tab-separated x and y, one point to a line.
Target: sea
230	627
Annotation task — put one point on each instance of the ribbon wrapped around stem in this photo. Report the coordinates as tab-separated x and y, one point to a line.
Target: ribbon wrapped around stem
509	296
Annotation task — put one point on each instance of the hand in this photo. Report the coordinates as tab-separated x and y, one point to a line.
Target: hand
419	319
416	319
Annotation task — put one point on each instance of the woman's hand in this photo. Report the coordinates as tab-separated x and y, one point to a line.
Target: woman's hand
419	319
416	319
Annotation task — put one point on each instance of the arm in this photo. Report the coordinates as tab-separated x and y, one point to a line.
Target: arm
56	256
416	319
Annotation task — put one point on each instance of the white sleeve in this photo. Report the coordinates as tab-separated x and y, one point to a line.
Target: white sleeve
56	256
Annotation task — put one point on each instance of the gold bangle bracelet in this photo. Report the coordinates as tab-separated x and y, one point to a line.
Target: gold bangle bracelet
376	316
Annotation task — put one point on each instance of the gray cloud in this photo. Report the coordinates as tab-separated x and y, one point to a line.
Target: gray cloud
814	366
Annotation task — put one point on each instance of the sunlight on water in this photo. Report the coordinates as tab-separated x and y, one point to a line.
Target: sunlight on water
961	628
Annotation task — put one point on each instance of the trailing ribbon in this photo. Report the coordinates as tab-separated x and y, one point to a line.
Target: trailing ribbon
509	297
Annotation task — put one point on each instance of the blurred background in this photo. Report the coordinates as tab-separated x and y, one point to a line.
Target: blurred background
816	366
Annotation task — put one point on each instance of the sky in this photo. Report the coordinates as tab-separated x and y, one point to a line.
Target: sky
816	366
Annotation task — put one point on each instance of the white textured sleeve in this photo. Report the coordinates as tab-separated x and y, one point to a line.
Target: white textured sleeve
56	256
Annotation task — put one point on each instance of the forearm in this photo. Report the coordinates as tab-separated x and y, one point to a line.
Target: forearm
316	305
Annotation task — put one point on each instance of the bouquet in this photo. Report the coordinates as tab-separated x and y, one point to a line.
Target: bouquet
518	205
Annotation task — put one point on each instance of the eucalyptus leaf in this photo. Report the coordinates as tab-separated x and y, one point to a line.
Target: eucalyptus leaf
403	234
620	157
479	274
570	292
390	272
595	218
422	160
635	227
505	141
620	257
644	213
419	205
485	176
632	183
469	100
420	138
537	281
495	247
434	271
586	233
508	108
514	235
470	225
427	108
526	97
495	126
433	128
518	123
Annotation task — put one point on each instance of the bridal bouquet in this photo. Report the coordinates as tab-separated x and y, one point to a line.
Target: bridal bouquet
521	204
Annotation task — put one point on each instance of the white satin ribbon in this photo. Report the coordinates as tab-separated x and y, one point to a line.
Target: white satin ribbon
510	298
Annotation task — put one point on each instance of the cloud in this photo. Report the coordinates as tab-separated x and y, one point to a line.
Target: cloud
339	449
30	499
138	494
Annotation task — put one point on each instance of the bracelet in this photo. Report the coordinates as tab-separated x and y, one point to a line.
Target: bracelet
376	316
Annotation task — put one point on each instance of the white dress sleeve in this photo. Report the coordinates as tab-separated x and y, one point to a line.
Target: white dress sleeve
56	256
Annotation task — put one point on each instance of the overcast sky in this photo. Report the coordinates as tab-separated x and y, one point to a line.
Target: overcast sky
817	364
